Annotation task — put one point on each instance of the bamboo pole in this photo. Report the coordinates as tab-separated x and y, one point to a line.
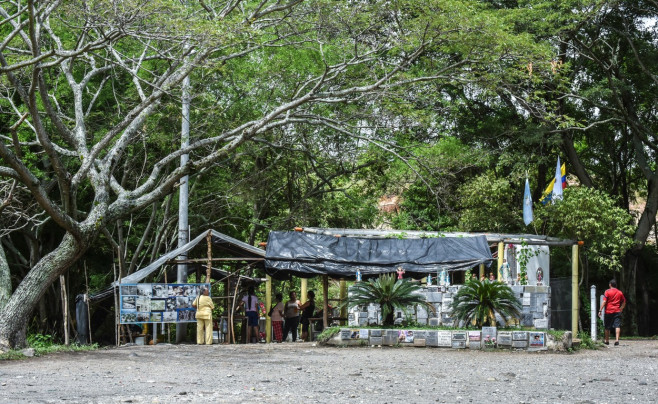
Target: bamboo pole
209	268
574	290
65	308
235	295
481	271
116	305
268	306
87	303
343	297
501	253
325	296
303	292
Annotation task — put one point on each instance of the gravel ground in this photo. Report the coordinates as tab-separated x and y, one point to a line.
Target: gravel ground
301	372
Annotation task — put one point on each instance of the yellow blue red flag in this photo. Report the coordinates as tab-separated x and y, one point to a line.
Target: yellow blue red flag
547	196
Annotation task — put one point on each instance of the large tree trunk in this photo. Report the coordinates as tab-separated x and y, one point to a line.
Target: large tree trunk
5	279
16	314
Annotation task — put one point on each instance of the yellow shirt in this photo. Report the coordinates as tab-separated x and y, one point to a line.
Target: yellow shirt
204	306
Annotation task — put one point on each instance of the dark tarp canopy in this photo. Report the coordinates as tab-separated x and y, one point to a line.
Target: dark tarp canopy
307	255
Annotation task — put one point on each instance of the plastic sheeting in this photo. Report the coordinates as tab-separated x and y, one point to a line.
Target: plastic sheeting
307	255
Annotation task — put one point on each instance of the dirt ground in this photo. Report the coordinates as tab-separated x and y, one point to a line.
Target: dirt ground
302	372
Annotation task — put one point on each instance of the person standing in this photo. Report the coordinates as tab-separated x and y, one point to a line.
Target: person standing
292	317
614	303
277	318
204	306
250	303
307	309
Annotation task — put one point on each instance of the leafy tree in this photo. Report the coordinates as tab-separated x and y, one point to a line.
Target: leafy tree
480	301
389	293
591	216
92	93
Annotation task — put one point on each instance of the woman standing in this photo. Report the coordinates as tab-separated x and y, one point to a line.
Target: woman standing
292	317
204	306
250	303
308	309
276	314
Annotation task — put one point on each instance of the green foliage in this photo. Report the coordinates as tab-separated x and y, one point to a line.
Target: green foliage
592	216
327	334
485	203
479	302
40	341
390	293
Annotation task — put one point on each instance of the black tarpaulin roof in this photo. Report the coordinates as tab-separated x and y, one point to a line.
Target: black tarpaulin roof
307	254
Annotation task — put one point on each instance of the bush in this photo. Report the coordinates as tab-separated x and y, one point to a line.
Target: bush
480	301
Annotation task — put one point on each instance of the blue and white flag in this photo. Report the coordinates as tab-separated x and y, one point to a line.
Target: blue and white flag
557	187
527	204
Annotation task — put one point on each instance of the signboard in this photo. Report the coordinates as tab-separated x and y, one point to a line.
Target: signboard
444	338
158	302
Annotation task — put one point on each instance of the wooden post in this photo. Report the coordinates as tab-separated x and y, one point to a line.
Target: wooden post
65	308
481	271
574	291
501	253
303	292
325	296
116	306
208	270
268	306
343	297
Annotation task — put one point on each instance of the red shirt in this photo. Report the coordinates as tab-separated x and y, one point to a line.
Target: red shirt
613	299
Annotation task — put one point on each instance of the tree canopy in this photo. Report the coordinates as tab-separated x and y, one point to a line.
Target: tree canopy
309	113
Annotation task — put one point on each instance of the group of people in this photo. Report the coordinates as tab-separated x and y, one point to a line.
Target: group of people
287	316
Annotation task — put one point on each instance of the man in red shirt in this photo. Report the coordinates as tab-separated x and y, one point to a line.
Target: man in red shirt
613	303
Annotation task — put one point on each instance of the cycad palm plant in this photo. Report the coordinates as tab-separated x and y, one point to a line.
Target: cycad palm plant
480	301
389	293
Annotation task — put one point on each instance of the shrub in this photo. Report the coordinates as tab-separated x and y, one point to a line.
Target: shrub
479	301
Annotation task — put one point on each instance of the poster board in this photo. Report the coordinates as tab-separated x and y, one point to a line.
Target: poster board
158	302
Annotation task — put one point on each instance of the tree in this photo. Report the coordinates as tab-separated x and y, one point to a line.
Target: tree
389	293
480	301
89	86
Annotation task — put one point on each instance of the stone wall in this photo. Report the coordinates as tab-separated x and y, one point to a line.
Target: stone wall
486	338
535	301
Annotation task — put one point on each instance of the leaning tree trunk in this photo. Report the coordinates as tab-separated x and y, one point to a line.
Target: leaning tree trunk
16	314
5	278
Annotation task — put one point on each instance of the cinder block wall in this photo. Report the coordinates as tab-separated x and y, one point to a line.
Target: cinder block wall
535	301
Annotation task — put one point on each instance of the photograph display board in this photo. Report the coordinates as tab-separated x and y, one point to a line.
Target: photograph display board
158	302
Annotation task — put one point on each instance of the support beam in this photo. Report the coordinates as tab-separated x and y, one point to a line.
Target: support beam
209	267
268	306
501	253
325	296
574	290
343	297
302	297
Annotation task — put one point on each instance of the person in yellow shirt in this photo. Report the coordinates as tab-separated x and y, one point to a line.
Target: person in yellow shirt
204	306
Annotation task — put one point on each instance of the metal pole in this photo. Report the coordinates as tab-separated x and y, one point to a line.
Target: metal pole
592	299
574	290
183	232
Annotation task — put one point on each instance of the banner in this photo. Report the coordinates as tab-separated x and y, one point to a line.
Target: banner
158	302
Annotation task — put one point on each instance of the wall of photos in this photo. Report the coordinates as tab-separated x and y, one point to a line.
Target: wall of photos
158	302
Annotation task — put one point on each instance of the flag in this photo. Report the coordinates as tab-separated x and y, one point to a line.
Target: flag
557	187
548	192
527	204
